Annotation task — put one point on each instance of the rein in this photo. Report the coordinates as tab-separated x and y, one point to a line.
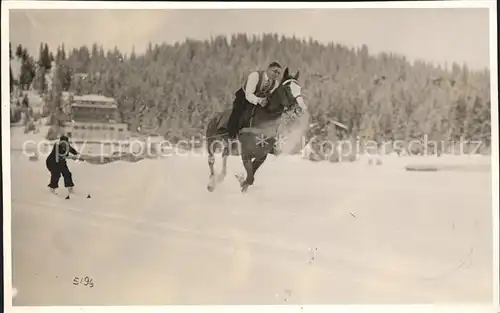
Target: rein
288	81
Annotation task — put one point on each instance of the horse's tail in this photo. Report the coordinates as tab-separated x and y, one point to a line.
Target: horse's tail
216	132
211	133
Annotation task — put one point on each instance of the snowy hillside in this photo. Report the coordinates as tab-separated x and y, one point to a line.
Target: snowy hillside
306	232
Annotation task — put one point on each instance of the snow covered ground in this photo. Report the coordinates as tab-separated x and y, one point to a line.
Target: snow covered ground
305	233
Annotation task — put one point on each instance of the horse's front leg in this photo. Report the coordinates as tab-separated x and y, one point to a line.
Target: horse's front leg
251	168
248	164
257	163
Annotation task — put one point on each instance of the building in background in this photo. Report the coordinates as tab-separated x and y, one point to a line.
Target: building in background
95	118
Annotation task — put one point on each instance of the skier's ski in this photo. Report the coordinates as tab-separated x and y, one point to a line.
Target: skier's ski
68	195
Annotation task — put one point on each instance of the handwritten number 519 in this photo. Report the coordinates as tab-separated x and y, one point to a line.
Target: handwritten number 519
83	281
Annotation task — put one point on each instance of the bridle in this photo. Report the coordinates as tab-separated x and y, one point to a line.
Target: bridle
289	81
297	109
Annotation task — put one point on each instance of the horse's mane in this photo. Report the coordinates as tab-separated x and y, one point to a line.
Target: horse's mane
279	90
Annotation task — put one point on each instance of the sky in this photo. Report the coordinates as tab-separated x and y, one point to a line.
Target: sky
435	35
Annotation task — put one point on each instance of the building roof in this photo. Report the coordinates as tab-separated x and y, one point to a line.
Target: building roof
97	123
94	105
94	98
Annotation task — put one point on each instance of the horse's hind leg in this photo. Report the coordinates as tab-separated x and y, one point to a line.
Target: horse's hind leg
211	179
211	161
216	179
222	174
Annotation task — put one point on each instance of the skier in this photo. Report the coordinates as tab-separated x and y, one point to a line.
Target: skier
56	164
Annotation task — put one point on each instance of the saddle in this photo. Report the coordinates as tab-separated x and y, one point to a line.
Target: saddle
244	120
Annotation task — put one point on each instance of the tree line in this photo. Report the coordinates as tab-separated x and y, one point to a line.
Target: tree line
174	89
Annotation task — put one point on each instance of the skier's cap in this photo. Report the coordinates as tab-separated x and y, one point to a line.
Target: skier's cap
64	138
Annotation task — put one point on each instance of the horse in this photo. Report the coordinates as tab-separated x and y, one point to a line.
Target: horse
257	136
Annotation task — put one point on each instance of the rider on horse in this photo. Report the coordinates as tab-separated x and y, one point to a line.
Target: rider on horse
254	91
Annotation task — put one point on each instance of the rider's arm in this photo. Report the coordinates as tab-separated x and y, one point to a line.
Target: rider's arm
276	84
252	81
73	150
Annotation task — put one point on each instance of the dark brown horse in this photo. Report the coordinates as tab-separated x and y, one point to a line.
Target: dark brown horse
257	137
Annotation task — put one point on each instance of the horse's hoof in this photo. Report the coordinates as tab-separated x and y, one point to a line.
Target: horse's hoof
210	188
240	178
221	178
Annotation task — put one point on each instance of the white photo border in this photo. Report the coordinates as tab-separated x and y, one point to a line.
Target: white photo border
6	179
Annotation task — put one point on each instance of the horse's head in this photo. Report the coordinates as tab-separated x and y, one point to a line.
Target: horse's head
287	97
